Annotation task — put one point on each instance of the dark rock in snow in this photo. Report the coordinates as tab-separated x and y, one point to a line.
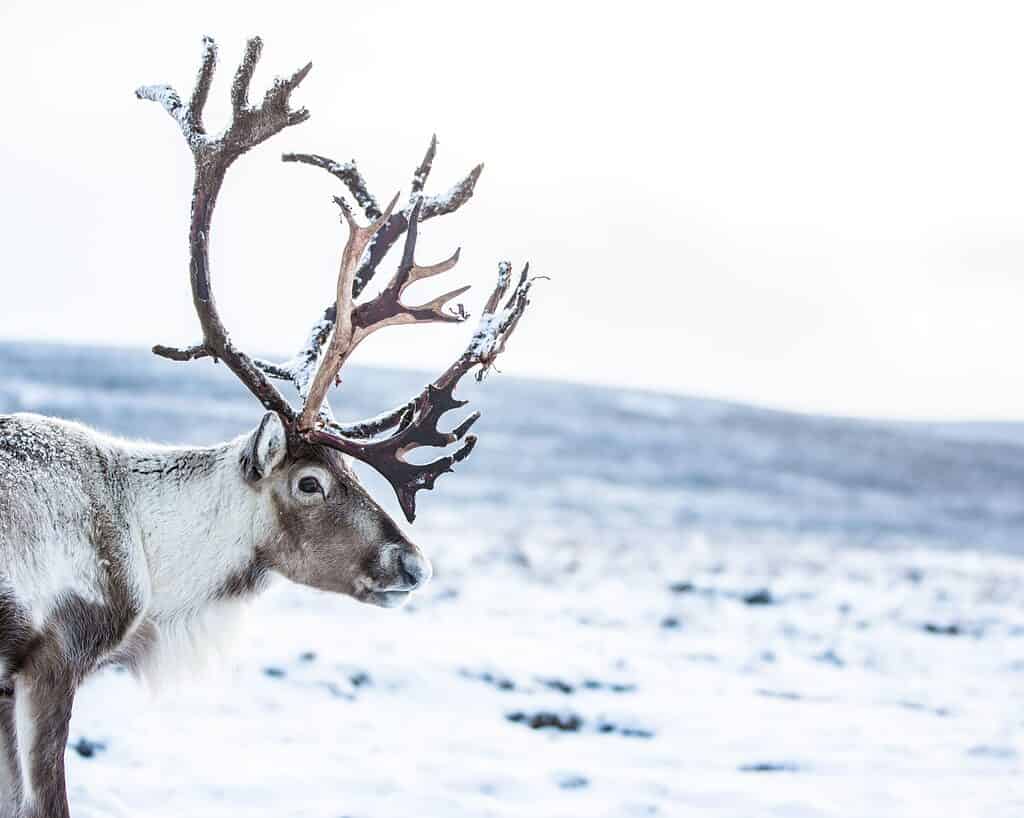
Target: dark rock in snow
307	656
608	727
830	657
951	629
500	682
87	748
762	596
275	672
914	575
635	732
671	623
572	723
360	678
613	687
557	684
338	692
568	722
770	767
682	587
574	782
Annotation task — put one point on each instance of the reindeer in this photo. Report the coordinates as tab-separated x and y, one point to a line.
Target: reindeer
119	552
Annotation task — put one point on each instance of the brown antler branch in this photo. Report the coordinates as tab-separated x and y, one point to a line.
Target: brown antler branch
343	337
419	178
182	354
203	81
213	155
348	173
387	308
385	239
449	202
417	420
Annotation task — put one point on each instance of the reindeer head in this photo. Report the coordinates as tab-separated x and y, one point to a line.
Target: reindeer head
329	532
324	529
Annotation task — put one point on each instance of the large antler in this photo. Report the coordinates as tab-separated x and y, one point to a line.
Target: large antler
353	324
302	367
250	125
314	370
384	441
415	422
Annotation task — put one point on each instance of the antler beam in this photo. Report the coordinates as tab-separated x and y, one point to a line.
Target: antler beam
249	126
343	339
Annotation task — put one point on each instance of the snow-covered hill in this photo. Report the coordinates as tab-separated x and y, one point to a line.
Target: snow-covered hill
643	605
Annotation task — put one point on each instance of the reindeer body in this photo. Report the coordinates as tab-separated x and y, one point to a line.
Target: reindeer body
109	551
120	552
152	539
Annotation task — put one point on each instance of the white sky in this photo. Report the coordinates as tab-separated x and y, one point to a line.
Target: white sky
810	205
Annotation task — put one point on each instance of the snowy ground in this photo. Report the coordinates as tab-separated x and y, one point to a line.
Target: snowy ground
652	607
722	682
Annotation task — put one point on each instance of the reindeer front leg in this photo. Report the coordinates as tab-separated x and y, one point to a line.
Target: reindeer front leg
10	776
43	695
78	637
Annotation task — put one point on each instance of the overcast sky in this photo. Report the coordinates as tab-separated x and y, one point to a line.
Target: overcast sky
817	206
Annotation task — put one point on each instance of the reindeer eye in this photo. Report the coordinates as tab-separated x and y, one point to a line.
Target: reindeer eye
310	485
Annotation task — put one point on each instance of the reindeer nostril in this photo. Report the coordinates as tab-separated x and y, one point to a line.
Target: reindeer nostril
415	568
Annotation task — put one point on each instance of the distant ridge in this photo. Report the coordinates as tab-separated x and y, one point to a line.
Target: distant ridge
601	467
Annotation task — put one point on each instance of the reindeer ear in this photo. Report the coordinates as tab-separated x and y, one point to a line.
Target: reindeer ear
266	448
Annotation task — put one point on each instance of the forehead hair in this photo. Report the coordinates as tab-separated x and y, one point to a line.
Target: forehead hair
325	456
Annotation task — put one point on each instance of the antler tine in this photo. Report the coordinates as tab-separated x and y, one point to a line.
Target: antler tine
343	339
419	178
386	456
203	81
439	205
248	127
387	307
417	420
243	76
347	172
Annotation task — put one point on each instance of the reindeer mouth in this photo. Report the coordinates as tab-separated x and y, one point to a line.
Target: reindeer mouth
387	599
